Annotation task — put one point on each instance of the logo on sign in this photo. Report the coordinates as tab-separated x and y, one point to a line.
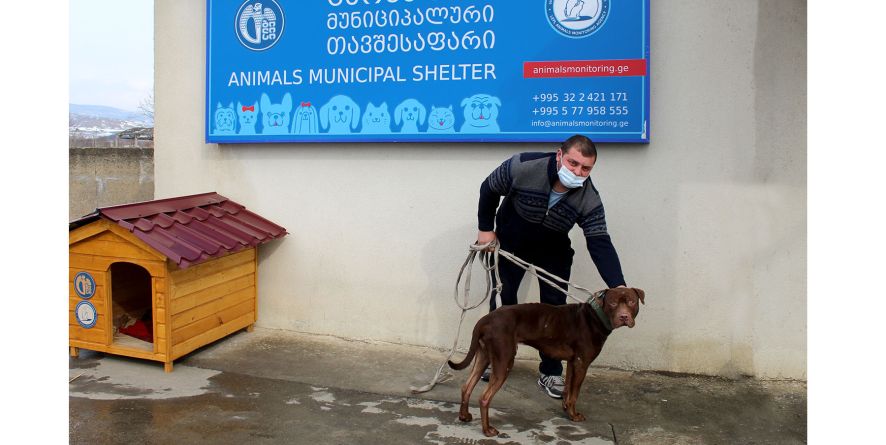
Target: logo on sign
86	314
577	18
259	25
84	285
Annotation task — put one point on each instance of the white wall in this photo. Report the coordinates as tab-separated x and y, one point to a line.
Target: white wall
709	218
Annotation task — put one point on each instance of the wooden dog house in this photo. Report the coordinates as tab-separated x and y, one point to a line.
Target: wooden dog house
181	270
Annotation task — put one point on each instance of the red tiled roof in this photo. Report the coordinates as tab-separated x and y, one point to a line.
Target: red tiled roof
190	229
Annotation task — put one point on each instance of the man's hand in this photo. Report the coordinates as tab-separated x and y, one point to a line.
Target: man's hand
485	238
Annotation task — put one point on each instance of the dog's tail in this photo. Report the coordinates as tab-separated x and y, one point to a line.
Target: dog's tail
475	343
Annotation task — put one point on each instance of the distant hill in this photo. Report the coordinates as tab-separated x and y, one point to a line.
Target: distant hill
100	120
107	112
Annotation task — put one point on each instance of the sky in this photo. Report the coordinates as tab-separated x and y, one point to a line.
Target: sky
111	52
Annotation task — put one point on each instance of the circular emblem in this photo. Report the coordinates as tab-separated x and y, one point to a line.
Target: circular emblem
577	18
259	24
84	285
85	313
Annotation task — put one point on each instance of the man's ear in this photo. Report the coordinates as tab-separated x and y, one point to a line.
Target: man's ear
640	294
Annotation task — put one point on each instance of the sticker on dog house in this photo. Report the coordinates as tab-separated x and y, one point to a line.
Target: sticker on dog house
86	314
423	71
84	285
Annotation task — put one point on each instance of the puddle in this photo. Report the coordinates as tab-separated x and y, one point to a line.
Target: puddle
116	379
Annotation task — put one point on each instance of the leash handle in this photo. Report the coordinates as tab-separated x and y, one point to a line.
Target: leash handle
465	306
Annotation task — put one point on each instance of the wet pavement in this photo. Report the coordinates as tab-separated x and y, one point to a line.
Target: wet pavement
272	386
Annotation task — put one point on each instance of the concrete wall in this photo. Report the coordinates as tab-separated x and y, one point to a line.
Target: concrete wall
101	177
709	218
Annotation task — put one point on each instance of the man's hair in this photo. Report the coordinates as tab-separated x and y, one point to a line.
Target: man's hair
581	143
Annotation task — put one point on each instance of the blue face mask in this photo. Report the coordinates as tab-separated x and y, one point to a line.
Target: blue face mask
569	179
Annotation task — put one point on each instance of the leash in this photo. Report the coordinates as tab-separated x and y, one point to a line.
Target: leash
489	261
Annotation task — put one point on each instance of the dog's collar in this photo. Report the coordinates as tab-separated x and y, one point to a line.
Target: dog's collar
599	309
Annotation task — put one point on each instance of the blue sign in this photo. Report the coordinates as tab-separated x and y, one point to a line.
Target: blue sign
427	70
84	285
86	314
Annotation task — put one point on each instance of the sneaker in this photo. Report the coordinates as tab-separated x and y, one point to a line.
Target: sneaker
552	385
485	376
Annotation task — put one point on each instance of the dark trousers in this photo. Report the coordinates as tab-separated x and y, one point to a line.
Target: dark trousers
558	263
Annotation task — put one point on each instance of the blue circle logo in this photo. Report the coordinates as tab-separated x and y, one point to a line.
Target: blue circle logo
259	24
577	18
84	285
86	314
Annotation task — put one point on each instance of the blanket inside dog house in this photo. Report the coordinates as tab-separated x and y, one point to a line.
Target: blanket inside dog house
158	279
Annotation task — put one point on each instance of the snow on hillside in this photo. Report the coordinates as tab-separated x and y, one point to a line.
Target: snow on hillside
98	120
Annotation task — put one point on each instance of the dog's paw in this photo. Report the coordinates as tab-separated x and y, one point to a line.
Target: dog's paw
465	417
578	417
491	432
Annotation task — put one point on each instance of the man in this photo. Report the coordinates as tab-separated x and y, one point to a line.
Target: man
545	195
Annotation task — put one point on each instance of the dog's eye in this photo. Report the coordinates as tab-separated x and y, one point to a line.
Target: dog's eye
334	107
347	107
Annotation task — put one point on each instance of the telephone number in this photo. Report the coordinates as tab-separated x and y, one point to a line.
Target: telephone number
618	110
581	97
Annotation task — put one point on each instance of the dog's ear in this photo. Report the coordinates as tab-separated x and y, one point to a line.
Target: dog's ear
265	101
421	114
355	115
495	101
324	115
640	294
294	123
287	102
397	112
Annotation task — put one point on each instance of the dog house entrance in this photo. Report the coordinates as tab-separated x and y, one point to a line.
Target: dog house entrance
131	311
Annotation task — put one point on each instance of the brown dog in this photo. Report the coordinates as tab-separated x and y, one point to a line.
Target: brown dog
571	332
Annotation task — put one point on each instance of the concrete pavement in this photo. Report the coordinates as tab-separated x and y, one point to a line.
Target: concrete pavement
272	386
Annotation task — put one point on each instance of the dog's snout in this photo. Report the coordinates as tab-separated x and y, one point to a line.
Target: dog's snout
625	319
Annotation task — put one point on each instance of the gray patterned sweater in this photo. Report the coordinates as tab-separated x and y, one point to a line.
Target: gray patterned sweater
523	220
